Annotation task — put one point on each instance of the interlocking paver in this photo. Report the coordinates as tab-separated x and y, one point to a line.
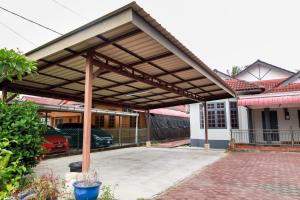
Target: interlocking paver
243	175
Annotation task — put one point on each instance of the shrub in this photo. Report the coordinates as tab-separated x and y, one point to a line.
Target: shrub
107	193
21	134
14	65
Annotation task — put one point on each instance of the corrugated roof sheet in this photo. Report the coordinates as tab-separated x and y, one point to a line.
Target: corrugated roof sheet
159	69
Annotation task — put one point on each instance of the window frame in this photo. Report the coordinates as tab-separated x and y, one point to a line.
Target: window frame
101	120
214	109
61	120
110	117
201	114
237	114
132	122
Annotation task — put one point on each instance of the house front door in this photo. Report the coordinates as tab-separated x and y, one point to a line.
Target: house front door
270	126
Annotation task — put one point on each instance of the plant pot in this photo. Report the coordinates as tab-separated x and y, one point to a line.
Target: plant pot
90	192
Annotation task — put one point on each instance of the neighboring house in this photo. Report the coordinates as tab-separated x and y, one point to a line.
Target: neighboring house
222	75
260	70
266	110
167	117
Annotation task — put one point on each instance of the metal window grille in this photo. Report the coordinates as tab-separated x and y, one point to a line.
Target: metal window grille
234	115
99	121
216	117
111	121
132	121
201	116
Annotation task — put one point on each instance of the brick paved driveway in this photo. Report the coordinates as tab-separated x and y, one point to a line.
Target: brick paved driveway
262	175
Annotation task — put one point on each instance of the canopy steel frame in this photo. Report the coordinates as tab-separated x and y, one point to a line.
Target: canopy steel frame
110	44
143	77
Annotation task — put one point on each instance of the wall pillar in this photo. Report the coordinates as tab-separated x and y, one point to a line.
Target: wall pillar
148	122
206	144
136	129
252	137
267	125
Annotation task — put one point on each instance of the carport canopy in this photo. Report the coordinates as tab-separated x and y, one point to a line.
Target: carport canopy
124	58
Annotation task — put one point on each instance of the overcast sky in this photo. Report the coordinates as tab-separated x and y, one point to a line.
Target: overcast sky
221	33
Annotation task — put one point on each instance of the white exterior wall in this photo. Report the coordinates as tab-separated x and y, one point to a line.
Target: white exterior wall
284	126
263	72
296	81
195	121
243	117
217	134
243	125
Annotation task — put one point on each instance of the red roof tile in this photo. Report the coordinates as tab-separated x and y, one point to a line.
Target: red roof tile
288	88
268	84
169	112
41	100
239	85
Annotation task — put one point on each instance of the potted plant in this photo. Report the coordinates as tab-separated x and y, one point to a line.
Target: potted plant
88	188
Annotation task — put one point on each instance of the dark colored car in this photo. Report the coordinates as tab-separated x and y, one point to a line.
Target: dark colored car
55	142
74	131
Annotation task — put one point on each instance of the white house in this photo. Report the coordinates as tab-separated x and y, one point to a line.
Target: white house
260	70
266	111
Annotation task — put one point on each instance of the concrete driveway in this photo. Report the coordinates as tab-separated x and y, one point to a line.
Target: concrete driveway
139	172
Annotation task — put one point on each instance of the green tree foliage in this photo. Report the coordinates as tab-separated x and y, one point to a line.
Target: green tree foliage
234	71
14	65
20	137
20	127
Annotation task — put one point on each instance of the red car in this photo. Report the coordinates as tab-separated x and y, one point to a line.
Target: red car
55	142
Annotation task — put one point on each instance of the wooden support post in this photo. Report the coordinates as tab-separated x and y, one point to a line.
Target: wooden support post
137	129
148	122
87	113
119	131
46	118
206	144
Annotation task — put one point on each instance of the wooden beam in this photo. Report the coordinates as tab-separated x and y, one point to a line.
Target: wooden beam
87	121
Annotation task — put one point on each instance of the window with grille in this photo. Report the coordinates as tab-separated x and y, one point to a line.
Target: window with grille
58	121
111	121
234	118
99	121
201	110
216	117
132	121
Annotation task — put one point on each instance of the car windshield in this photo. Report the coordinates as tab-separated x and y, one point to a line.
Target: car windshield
51	131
